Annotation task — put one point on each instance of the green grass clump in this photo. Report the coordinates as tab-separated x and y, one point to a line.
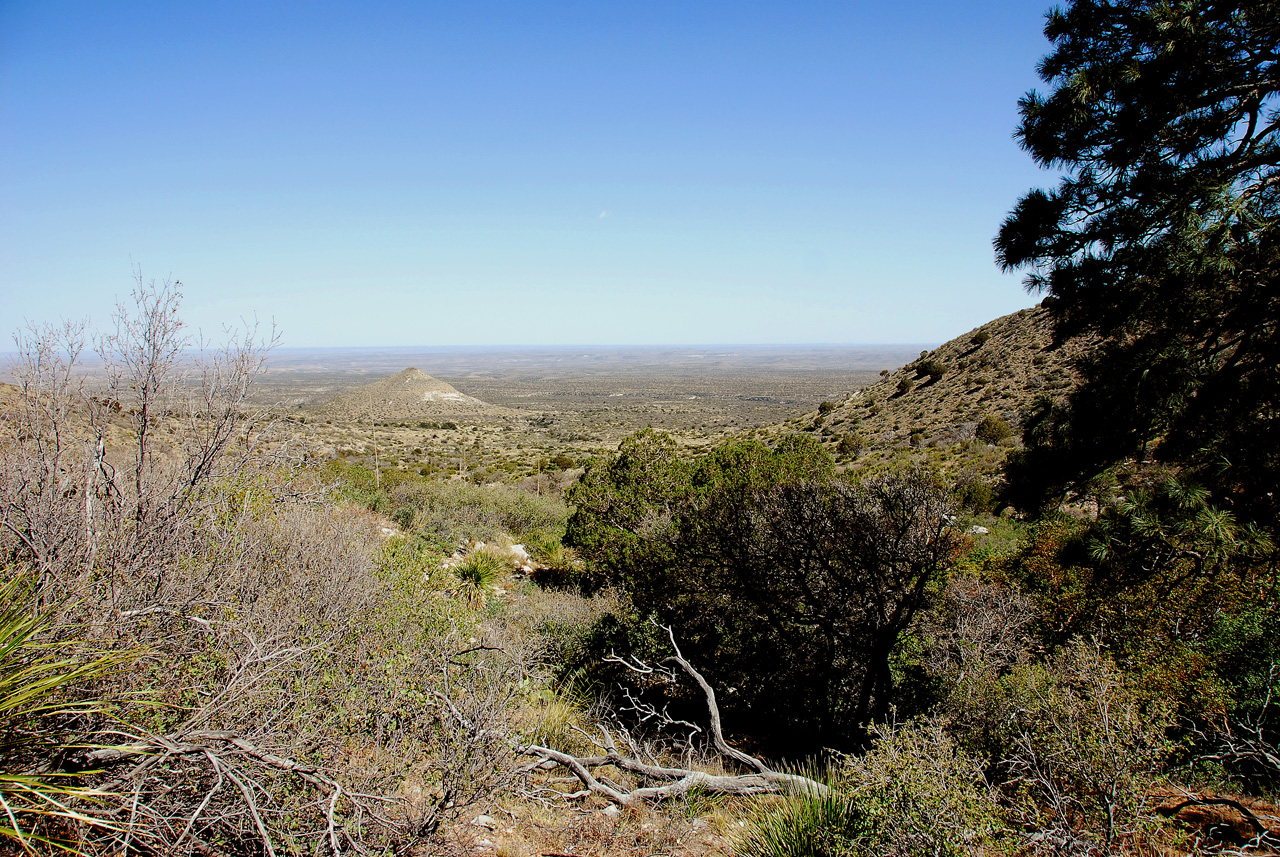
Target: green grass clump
480	569
38	722
805	825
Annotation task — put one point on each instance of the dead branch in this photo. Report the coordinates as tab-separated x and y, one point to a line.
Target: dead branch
221	749
676	780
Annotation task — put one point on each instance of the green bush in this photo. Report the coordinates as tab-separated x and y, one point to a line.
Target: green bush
906	385
805	825
976	495
931	369
915	794
993	430
773	571
447	512
850	445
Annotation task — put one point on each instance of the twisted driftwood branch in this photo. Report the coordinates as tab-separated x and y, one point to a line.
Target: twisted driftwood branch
679	781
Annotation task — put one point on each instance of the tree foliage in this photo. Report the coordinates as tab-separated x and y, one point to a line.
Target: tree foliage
1161	236
773	569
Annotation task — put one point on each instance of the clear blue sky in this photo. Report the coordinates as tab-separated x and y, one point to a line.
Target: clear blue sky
518	173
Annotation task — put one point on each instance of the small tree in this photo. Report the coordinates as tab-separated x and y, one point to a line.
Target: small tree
993	430
777	573
931	369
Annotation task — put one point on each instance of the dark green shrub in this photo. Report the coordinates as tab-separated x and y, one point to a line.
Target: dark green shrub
993	430
562	462
906	385
980	338
850	445
764	563
976	496
932	369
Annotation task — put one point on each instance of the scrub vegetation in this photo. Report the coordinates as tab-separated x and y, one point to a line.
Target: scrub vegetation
1018	596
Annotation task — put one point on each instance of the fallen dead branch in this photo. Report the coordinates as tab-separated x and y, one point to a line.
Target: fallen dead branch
226	754
674	781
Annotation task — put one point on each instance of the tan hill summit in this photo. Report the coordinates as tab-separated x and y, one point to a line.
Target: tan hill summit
933	406
408	395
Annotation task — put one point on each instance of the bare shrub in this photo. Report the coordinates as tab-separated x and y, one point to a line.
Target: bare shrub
100	493
52	457
292	684
1086	750
974	637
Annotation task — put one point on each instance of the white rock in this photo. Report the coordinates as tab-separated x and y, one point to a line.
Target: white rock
482	844
521	555
611	811
486	821
975	530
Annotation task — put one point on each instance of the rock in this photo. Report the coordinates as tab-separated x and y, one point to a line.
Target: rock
611	811
486	821
520	554
482	844
975	530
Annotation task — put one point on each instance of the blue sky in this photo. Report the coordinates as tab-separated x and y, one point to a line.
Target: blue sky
518	173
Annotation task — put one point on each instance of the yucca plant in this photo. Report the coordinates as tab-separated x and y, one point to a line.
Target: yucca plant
805	825
39	721
479	570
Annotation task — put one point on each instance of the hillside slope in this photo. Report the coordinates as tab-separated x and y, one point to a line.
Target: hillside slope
408	395
997	370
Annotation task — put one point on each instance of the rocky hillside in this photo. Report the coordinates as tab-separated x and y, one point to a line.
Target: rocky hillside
932	408
409	395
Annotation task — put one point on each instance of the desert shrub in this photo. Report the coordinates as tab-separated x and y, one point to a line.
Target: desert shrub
447	512
289	680
561	462
931	369
480	569
1088	746
404	517
980	338
993	430
976	495
973	637
45	714
826	408
906	385
850	445
806	825
773	571
913	794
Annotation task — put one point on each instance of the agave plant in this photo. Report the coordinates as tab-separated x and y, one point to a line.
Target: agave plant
41	720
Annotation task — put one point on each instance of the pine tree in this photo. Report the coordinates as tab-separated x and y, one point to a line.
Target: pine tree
1161	237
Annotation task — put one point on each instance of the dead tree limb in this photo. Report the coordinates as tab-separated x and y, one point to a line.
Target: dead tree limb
675	780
